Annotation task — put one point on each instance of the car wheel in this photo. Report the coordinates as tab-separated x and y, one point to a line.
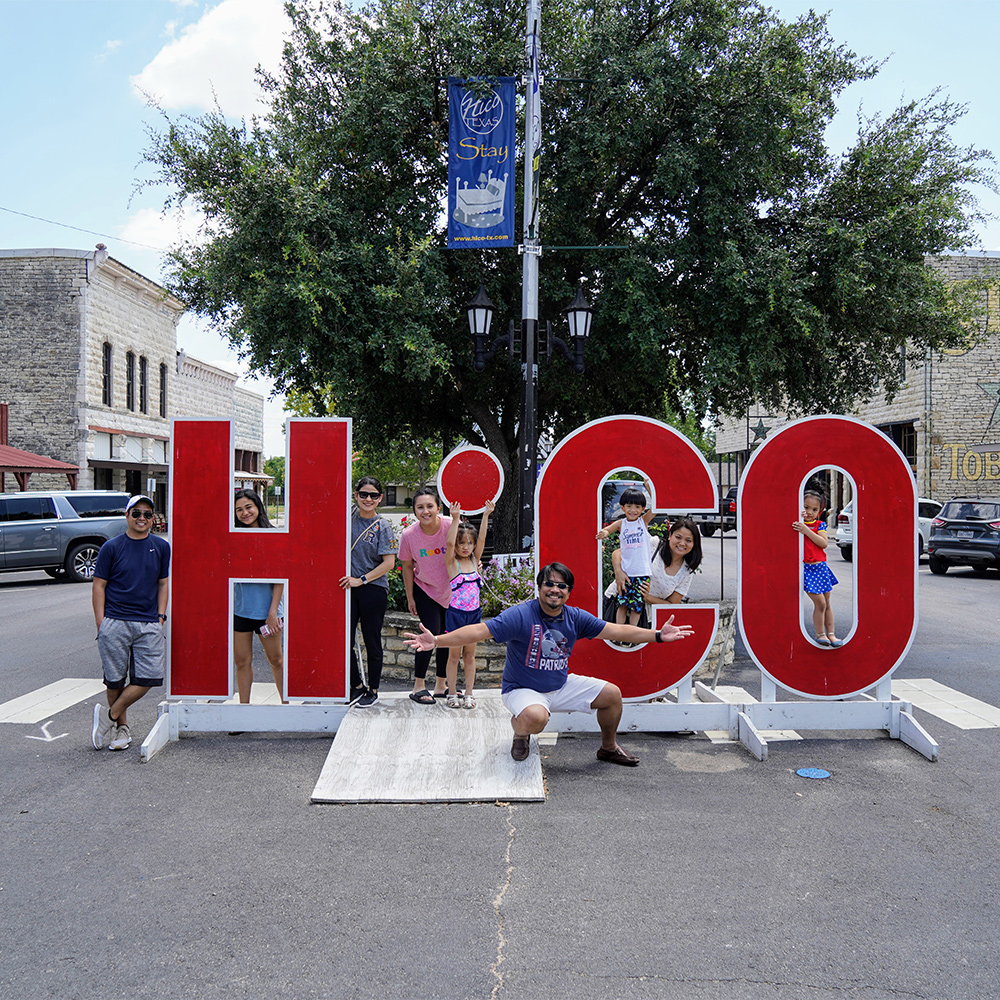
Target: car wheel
847	552
81	561
938	566
708	530
920	545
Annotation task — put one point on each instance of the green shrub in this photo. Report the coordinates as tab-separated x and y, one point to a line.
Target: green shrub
506	585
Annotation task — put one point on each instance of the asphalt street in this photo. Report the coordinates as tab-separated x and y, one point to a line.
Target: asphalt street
704	873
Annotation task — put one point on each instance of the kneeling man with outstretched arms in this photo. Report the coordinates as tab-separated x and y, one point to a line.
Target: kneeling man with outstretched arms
536	680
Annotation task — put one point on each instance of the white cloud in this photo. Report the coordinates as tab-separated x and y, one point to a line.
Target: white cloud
111	46
218	52
159	230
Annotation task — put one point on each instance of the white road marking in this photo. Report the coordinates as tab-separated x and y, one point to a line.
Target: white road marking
260	694
47	737
947	704
47	701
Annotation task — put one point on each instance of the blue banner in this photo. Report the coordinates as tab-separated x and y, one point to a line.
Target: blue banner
481	164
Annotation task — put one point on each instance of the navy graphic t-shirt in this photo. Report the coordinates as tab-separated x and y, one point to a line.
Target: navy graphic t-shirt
538	646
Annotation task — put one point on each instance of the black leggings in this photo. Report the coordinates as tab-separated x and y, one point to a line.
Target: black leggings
431	616
368	604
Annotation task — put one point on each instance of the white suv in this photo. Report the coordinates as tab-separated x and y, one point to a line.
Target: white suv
927	510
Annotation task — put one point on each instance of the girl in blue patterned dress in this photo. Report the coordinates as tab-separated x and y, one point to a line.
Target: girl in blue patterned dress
817	578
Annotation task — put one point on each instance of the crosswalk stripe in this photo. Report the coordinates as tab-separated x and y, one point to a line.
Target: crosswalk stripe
44	702
947	704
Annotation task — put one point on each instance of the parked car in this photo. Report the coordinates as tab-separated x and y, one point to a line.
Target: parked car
58	531
724	519
966	533
927	510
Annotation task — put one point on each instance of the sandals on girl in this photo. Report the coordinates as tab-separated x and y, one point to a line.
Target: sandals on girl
454	701
822	639
468	701
422	697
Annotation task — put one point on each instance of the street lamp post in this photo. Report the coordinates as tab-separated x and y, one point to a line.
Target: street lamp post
531	252
578	313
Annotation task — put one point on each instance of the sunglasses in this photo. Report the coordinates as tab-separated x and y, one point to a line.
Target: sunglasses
137	514
553	583
365	495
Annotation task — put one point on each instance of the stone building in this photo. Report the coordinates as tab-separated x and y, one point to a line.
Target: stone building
90	368
945	420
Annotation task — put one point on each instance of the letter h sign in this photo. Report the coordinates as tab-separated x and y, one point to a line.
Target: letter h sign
309	556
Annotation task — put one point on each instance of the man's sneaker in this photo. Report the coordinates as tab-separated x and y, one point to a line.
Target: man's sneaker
104	726
367	699
355	695
122	739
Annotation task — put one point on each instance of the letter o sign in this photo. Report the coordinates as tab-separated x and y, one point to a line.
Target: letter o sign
885	557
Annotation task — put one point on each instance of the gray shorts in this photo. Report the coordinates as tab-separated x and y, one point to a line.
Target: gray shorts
135	649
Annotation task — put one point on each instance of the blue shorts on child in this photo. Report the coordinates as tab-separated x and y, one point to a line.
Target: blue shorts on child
455	618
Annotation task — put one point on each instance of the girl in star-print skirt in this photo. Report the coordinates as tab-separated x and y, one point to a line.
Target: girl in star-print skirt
817	578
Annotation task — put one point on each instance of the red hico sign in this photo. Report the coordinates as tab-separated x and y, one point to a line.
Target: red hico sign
313	551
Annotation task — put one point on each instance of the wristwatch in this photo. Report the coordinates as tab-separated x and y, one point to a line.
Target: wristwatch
364	579
163	618
659	636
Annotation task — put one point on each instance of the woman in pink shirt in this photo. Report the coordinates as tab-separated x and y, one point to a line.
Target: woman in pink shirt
428	589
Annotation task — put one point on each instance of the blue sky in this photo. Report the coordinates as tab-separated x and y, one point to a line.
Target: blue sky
73	122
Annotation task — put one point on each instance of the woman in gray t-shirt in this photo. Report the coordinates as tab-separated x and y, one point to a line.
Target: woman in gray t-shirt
373	554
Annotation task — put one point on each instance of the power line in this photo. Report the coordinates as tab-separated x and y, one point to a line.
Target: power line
90	232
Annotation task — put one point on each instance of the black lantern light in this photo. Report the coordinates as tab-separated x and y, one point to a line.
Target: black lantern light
578	316
480	311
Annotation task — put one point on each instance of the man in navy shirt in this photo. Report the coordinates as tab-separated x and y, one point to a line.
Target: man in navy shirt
536	680
130	605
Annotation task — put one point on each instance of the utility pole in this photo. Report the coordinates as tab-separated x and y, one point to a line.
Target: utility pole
531	251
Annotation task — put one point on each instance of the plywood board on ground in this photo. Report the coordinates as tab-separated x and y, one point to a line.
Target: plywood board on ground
399	751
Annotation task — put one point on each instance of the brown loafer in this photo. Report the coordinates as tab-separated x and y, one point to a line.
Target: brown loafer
520	748
617	756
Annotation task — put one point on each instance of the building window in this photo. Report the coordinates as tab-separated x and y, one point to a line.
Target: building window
163	390
106	375
246	461
130	381
904	437
143	385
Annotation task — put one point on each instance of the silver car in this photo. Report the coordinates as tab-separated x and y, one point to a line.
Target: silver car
927	510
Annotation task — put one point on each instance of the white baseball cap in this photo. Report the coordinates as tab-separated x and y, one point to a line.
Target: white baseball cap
134	500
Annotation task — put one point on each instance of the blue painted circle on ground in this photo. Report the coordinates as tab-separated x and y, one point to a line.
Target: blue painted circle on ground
812	772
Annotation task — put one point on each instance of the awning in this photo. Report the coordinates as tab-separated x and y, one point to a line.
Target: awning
106	463
24	463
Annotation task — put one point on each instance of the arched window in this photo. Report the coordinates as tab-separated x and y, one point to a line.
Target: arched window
163	390
106	380
143	385
130	381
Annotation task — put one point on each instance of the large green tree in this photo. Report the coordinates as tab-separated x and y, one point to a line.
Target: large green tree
757	266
